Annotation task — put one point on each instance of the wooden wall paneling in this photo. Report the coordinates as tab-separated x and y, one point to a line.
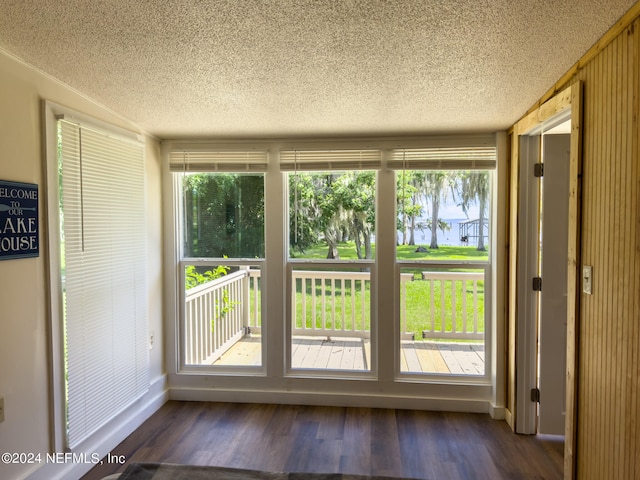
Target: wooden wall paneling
573	279
600	244
619	308
631	180
631	243
602	230
623	294
589	173
633	373
598	186
586	361
625	312
633	425
583	329
608	319
602	332
608	406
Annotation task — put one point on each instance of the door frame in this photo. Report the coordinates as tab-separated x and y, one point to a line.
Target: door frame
520	342
529	248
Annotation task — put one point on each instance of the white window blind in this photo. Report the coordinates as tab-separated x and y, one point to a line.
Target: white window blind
223	160
444	158
104	275
322	160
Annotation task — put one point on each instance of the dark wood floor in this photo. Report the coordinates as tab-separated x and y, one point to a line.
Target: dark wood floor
400	443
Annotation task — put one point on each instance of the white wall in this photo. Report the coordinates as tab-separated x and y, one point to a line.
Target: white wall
24	343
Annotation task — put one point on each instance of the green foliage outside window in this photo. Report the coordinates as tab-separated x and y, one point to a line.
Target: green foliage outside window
223	215
193	278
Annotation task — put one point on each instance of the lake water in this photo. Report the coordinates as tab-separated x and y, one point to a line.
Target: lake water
450	237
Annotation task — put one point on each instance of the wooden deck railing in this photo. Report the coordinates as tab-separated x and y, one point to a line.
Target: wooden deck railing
324	303
219	313
465	322
334	304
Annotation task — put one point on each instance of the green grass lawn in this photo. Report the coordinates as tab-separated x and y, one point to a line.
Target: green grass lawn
420	299
340	312
346	303
347	251
420	296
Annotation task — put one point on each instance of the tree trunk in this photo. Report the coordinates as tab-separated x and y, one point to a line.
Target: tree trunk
412	238
356	229
332	244
435	203
404	229
358	244
368	251
483	201
345	234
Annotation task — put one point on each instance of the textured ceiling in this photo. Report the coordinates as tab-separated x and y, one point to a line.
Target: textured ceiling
233	68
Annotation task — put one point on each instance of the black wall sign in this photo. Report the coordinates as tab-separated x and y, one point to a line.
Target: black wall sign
18	220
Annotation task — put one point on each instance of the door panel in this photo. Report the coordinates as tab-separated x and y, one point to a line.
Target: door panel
553	298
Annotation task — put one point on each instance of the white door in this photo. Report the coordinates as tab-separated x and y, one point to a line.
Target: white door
553	297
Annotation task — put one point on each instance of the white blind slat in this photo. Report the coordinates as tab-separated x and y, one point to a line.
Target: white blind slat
449	158
218	160
321	160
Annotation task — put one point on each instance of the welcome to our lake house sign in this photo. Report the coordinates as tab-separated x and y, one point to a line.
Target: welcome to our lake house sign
18	220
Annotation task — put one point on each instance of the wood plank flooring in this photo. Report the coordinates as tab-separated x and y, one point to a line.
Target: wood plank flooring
399	443
418	356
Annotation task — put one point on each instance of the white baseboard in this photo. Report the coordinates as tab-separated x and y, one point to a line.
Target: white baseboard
497	412
104	440
334	399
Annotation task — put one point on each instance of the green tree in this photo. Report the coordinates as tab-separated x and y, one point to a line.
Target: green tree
314	211
332	217
224	215
332	207
355	193
433	186
471	187
410	205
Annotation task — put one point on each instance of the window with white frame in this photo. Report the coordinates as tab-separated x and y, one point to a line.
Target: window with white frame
331	222
221	220
332	215
442	257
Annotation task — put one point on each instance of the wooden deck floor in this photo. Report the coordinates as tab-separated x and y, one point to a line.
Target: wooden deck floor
419	356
